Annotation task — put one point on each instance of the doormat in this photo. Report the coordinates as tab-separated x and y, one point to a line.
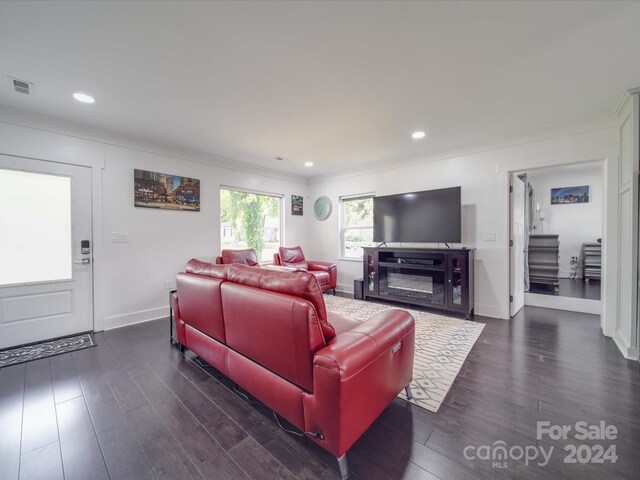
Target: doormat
35	351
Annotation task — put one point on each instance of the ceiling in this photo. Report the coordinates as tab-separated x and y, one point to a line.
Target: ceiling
341	84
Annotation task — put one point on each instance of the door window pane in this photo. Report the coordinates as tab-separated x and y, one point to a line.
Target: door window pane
35	227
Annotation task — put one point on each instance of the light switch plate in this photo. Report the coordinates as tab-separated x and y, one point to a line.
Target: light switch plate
119	237
490	236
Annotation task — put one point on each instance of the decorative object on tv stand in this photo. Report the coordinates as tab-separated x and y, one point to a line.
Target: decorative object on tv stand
322	208
568	195
297	204
166	192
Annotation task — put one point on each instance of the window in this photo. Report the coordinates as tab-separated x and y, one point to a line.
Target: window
356	229
35	227
251	220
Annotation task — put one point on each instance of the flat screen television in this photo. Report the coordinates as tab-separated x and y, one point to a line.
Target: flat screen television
431	216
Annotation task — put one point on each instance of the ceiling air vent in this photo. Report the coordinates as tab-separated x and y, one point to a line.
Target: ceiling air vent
281	159
22	86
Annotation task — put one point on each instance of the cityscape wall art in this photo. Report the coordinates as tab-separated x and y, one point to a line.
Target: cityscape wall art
165	192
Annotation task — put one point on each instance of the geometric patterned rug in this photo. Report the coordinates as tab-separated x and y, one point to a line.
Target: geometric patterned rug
26	353
442	345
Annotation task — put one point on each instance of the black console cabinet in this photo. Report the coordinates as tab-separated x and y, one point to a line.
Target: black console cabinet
429	277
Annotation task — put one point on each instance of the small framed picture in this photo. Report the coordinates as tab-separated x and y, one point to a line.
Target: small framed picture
567	195
297	205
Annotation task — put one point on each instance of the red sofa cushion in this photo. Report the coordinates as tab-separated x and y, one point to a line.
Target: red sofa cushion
246	256
280	332
205	268
200	303
292	257
299	284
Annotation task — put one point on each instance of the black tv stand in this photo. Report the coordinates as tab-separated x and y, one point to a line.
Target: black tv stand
440	278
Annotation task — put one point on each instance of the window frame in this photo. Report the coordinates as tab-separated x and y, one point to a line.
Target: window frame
279	196
343	228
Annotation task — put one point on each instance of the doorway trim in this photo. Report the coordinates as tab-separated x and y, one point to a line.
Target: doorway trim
608	155
14	143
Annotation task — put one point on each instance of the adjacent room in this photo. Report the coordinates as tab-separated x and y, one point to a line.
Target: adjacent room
319	240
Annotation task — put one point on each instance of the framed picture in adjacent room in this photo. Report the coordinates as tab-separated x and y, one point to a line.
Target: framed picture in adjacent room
297	205
165	191
567	195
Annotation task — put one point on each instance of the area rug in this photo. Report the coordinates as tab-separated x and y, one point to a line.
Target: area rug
49	348
442	345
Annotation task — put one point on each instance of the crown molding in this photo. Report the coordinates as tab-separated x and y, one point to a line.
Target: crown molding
585	125
55	125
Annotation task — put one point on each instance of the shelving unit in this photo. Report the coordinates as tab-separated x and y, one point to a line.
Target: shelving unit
544	266
591	261
430	277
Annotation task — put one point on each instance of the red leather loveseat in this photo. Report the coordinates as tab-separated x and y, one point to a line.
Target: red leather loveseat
270	333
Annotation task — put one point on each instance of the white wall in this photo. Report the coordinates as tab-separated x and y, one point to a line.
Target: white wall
576	223
130	277
483	177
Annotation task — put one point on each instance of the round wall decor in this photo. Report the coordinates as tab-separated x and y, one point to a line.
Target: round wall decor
322	208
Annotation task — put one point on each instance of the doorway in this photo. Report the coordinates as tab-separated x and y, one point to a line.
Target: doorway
46	286
563	210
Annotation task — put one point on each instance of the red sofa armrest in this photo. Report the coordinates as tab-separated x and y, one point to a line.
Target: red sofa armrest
330	268
357	376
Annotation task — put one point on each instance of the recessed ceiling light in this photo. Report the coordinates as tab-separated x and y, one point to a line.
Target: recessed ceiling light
418	135
308	164
84	98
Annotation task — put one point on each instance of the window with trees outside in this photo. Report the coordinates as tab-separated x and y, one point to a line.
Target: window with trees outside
250	220
356	229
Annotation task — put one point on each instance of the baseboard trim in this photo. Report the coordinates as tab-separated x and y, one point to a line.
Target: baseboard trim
569	304
119	321
628	352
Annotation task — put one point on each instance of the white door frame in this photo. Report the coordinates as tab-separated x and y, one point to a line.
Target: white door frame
48	153
608	155
513	282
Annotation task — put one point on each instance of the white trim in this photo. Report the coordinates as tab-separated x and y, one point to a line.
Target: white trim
255	192
628	352
570	304
49	124
528	137
126	319
341	217
356	196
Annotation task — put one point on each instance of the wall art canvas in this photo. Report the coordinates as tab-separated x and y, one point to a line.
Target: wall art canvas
165	191
567	195
296	205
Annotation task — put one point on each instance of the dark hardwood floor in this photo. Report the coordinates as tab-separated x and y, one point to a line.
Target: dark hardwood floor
136	408
574	288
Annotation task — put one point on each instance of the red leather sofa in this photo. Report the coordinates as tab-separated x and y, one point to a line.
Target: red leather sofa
270	333
325	272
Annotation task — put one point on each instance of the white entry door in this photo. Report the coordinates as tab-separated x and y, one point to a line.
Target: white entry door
517	193
45	271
